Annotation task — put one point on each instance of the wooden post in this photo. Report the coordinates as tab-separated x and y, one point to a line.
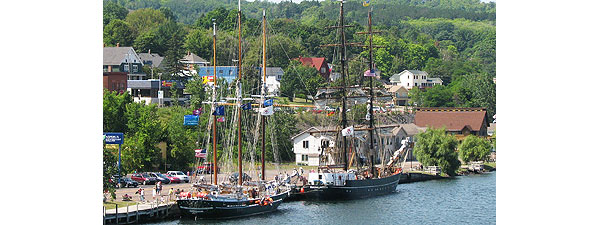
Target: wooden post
127	218
116	213
137	212
104	215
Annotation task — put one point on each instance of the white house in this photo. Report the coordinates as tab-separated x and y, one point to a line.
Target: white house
307	147
414	78
274	75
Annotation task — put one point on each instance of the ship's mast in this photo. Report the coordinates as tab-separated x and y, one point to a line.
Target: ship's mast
371	116
343	61
262	93
239	93
214	100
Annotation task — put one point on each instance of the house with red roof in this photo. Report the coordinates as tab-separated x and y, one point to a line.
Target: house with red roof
458	121
318	63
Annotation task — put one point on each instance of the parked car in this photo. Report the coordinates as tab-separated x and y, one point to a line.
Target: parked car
179	175
233	178
143	178
207	167
173	179
125	181
162	178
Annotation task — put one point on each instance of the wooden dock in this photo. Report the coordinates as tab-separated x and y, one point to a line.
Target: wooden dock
140	213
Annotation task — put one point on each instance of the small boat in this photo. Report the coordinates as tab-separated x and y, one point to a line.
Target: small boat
228	207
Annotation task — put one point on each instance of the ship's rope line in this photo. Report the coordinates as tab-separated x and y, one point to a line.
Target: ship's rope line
290	59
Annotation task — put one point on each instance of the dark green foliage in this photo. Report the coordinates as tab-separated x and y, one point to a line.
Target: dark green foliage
299	79
436	148
140	151
112	11
199	42
118	31
114	106
474	148
109	168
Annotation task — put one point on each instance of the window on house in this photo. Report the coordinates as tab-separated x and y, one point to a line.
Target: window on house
135	68
220	71
323	70
126	68
278	77
305	144
304	157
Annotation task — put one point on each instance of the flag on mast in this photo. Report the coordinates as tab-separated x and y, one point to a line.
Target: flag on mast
348	131
267	111
200	153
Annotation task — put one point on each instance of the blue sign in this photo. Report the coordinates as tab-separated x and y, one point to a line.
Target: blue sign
113	138
190	120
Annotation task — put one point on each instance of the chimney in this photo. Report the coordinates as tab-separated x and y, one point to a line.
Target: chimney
117	45
148	51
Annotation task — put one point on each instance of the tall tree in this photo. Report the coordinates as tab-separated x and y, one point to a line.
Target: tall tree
145	19
113	11
436	148
474	148
118	31
114	108
199	42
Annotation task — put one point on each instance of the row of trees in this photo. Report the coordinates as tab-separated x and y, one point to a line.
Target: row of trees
436	148
447	48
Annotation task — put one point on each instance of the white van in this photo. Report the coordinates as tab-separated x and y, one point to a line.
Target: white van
179	175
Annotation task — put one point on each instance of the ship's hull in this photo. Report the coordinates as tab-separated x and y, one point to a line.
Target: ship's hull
206	209
353	189
225	209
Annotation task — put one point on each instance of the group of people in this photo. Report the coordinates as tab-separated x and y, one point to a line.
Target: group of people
156	191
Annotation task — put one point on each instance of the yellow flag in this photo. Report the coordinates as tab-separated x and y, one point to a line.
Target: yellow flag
204	80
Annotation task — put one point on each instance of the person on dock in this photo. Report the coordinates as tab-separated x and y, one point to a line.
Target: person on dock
141	192
170	193
154	194
301	171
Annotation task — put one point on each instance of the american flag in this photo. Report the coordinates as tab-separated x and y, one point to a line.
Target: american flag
200	153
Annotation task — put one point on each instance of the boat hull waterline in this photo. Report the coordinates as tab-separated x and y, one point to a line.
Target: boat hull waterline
220	209
353	189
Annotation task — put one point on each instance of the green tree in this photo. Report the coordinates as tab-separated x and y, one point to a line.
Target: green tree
140	151
281	127
113	109
436	148
118	31
149	40
166	11
196	89
109	168
474	148
199	42
300	79
145	19
113	11
171	37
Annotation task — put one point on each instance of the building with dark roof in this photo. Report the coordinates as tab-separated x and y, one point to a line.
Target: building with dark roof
123	59
458	121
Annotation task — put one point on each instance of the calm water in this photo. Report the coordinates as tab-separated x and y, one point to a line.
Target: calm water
462	200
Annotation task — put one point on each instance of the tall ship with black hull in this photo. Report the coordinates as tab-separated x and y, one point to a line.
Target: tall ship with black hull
338	179
236	197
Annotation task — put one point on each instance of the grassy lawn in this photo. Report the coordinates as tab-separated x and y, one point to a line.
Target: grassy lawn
297	101
111	205
490	164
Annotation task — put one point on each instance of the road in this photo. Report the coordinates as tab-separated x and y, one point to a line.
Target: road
186	186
